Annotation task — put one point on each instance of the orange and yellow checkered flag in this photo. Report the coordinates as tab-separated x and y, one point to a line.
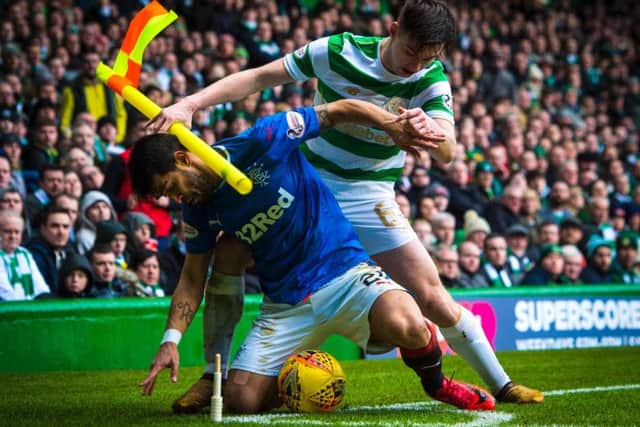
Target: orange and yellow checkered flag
123	79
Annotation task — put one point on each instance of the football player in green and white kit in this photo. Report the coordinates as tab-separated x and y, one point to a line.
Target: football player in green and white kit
401	73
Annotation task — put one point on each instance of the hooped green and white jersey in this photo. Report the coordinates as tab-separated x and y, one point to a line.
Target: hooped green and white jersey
349	66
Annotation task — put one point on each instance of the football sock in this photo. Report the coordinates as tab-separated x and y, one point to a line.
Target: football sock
426	362
468	340
223	304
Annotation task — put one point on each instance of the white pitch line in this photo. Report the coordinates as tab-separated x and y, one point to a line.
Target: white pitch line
592	389
478	418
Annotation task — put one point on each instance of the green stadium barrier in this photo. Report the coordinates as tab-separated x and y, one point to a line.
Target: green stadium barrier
95	334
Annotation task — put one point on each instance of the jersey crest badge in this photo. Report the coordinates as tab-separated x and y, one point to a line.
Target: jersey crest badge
300	52
295	124
259	175
352	90
394	104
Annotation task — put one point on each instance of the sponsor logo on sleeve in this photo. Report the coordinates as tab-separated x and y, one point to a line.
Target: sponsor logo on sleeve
300	52
190	232
295	125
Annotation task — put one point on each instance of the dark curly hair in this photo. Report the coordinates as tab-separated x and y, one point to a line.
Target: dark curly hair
152	155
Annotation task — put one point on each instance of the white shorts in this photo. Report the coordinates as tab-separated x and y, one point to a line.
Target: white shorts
372	210
340	307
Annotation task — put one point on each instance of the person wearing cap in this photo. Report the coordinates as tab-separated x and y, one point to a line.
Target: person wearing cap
504	212
475	228
517	237
599	261
626	267
485	181
463	195
495	265
440	196
549	269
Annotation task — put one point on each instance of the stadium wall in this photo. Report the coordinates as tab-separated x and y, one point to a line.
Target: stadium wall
124	333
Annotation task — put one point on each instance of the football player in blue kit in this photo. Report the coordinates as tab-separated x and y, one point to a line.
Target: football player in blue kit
316	277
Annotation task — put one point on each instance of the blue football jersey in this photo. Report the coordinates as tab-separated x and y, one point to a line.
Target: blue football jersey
298	235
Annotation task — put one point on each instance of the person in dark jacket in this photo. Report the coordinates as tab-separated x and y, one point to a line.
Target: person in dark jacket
549	269
503	213
599	254
51	246
172	259
75	278
103	267
463	195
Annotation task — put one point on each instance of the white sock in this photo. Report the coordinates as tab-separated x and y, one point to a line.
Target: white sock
223	304
468	340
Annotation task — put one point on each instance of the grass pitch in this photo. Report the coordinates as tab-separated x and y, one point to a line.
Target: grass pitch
595	387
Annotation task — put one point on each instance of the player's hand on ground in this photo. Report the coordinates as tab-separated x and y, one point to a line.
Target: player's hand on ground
166	357
181	111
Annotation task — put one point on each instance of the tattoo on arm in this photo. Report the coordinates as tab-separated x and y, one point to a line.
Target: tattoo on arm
323	116
184	311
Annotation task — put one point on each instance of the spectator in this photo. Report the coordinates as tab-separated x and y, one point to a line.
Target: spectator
497	83
51	245
72	184
440	196
172	258
486	182
573	264
549	269
517	237
463	195
504	213
476	228
75	278
403	203
471	275
20	278
146	265
41	151
557	203
87	93
103	267
423	230
11	200
598	223
51	185
599	262
444	226
94	207
140	232
571	232
626	266
495	267
446	259
10	144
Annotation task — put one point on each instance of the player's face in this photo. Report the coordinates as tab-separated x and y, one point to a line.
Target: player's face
192	182
405	57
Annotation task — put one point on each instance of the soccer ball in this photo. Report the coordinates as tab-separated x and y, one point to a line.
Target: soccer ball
311	381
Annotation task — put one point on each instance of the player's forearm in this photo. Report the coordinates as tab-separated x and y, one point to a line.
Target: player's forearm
352	111
184	306
446	151
188	294
238	86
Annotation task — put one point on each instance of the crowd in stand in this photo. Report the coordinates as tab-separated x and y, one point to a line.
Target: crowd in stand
544	189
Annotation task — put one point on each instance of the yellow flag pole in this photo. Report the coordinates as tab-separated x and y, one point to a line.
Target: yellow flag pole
221	166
